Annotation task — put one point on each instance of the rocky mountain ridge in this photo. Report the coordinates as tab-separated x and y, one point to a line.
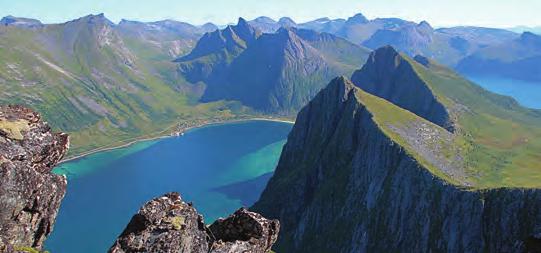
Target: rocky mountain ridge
168	224
348	181
102	83
274	73
30	194
364	170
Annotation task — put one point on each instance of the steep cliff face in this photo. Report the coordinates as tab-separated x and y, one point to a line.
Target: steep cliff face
350	179
273	73
285	73
30	194
389	75
168	224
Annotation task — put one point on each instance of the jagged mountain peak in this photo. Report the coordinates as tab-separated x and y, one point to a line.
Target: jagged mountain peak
392	76
358	163
233	39
287	22
530	38
386	57
241	22
339	87
425	26
357	19
290	43
91	19
246	31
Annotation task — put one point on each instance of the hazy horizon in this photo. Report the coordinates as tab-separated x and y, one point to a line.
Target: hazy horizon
499	13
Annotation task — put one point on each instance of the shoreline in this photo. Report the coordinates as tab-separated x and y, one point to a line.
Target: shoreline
158	137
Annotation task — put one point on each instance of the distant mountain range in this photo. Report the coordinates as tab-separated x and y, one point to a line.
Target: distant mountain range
519	59
91	77
446	45
521	29
272	72
100	82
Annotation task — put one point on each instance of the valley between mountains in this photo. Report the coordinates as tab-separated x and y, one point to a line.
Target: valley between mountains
110	84
392	149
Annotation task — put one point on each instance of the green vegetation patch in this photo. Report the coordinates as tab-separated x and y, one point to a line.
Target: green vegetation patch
28	249
499	140
14	129
390	117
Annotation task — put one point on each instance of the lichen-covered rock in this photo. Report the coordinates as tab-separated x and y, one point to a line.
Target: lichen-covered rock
30	194
168	224
244	231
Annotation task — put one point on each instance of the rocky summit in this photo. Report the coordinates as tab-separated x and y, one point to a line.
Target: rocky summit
168	224
30	194
363	170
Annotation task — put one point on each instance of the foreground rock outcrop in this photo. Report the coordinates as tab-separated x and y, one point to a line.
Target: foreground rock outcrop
30	194
168	224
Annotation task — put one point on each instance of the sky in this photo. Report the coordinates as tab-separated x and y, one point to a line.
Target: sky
491	13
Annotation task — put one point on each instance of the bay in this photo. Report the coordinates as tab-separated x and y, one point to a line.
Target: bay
105	189
526	93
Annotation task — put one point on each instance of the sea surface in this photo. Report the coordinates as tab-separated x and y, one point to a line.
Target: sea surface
105	189
526	93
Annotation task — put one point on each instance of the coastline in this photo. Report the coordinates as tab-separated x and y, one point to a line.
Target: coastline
161	136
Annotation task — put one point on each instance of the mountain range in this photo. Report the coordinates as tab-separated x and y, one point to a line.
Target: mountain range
272	72
522	29
408	157
108	84
446	45
518	59
105	84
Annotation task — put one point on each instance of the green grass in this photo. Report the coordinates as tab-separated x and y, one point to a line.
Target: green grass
389	116
14	129
499	139
83	86
28	250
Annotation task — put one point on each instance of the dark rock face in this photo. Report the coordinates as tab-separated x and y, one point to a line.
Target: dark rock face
273	73
30	194
344	185
244	231
388	75
168	224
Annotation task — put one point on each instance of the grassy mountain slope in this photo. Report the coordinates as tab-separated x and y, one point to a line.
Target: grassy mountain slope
96	83
496	139
273	73
361	174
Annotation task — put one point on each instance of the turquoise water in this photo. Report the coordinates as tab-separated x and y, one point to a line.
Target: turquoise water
106	189
526	93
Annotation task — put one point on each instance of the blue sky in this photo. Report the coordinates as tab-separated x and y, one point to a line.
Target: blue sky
495	13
